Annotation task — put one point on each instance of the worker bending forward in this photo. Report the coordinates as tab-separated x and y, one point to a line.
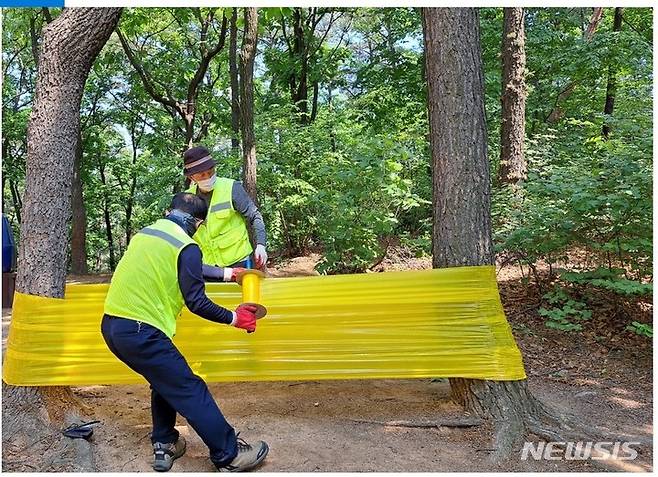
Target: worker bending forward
158	274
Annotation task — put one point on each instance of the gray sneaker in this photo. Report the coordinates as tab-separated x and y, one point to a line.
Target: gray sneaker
249	456
165	454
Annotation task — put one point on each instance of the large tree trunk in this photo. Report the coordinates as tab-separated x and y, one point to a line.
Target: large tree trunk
70	45
461	197
235	85
611	89
79	219
247	56
513	94
458	138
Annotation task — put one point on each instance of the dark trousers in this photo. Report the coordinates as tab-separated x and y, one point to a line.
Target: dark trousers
174	387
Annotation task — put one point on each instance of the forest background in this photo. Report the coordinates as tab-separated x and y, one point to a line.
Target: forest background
342	138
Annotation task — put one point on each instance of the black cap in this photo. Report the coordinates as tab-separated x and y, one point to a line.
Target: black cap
197	159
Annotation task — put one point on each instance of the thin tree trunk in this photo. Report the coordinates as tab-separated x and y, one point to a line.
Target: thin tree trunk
513	95
461	194
107	217
557	112
611	89
131	195
316	93
16	199
79	218
235	86
299	84
134	140
70	46
247	55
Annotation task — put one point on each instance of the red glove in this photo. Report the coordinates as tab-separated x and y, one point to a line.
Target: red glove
245	318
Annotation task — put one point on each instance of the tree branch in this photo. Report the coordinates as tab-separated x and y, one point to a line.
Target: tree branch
205	61
46	14
285	36
148	84
11	60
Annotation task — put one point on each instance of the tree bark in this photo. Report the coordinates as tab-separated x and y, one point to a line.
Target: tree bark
70	46
235	85
461	196
611	88
79	218
458	139
513	95
247	55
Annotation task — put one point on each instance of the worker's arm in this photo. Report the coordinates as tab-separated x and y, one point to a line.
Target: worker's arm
190	281
243	204
215	274
220	274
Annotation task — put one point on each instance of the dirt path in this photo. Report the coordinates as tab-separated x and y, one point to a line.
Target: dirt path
341	426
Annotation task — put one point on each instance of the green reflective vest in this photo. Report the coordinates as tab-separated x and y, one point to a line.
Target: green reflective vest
144	286
223	238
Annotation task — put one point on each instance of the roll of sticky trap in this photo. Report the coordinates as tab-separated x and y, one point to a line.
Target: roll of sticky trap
250	281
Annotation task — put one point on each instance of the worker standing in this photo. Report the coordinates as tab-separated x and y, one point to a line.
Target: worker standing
158	274
224	237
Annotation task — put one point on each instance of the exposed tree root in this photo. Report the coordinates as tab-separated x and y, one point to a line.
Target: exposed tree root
515	413
32	420
448	422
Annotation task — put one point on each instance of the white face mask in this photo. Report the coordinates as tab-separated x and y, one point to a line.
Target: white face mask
207	184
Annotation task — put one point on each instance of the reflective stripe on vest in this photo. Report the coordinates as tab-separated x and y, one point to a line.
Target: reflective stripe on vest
163	235
223	238
145	284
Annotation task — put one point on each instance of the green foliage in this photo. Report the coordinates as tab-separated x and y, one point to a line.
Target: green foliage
641	329
609	279
357	176
566	312
344	192
583	193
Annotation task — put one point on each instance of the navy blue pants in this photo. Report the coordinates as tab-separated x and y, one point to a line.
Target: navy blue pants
174	387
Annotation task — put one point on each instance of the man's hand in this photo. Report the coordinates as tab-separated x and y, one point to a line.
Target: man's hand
244	317
261	256
231	274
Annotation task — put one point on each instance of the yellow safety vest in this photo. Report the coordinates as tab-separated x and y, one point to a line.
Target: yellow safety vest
144	286
223	238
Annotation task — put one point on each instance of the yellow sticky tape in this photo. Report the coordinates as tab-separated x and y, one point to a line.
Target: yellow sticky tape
251	288
430	323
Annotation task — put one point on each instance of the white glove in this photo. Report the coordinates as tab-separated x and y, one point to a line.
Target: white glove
261	256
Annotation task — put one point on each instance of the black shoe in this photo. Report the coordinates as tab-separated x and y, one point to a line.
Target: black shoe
249	456
164	455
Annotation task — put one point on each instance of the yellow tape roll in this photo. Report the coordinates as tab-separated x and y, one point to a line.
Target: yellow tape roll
250	281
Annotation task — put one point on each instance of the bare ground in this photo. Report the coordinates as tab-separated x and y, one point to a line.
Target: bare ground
603	376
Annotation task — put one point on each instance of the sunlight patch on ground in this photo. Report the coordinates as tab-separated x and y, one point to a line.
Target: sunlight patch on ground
623	391
627	403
